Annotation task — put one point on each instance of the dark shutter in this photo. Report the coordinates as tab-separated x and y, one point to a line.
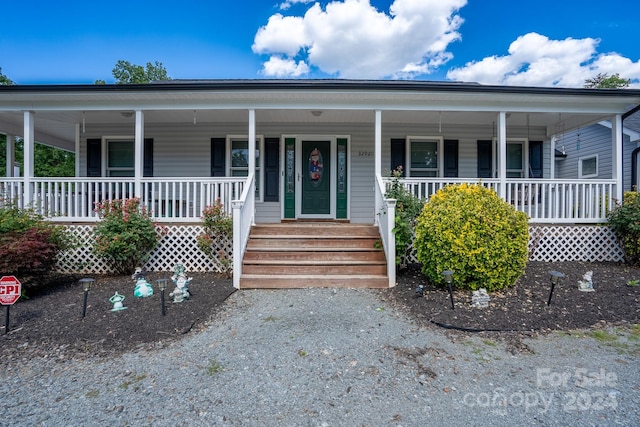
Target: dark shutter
535	159
399	154
450	158
94	157
147	169
218	156
484	159
271	169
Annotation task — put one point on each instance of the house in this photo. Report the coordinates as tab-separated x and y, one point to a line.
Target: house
292	152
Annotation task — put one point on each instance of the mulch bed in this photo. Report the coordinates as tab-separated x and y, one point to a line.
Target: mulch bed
523	307
49	323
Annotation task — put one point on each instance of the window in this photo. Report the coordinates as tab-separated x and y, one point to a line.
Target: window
120	157
424	155
239	160
588	167
515	151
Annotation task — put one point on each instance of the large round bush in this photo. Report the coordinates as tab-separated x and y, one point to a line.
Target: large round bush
470	230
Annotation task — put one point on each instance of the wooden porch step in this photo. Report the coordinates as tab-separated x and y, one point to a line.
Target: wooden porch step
301	255
259	281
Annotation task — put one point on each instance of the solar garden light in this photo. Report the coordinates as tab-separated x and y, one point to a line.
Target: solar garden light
86	283
162	285
448	278
556	278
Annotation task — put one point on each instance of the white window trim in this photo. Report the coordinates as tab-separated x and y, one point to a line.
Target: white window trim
525	155
259	162
105	152
438	139
583	158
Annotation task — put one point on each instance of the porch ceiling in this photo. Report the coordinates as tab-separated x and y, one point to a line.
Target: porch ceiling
57	128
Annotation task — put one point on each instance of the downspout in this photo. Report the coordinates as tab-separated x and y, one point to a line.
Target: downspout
634	157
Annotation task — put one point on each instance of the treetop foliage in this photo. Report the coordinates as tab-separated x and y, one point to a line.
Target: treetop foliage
605	81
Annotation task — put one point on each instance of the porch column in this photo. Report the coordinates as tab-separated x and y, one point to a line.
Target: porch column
29	144
617	167
77	150
11	143
252	142
138	162
502	154
378	144
552	158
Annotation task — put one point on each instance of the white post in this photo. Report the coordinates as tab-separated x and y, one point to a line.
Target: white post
378	144
502	153
617	168
29	144
252	141
139	153
77	150
11	142
237	241
552	160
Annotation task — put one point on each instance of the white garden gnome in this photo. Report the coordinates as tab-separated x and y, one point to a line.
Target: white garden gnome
181	291
586	284
143	288
116	300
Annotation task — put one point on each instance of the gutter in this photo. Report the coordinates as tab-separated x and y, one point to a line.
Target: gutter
634	153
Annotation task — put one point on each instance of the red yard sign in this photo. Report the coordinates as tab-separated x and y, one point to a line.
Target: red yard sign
10	289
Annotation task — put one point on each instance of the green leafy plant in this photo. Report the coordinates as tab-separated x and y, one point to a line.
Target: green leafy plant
126	234
29	244
217	235
408	207
624	219
468	229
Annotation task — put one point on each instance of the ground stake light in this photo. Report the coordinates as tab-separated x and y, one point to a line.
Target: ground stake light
556	277
86	287
162	285
448	278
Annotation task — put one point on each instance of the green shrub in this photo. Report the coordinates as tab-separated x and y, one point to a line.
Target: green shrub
218	233
468	229
624	219
125	235
408	207
28	244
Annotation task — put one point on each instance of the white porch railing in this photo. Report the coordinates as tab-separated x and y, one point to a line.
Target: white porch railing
385	217
243	219
543	200
168	199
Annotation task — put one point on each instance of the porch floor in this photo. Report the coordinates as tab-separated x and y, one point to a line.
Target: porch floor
314	254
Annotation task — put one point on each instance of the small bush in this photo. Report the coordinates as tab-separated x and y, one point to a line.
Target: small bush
126	235
624	219
218	232
28	244
468	229
408	207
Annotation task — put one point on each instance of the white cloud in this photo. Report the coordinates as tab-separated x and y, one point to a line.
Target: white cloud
284	67
288	3
535	60
352	39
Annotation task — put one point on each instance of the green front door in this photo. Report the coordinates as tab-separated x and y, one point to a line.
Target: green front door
316	178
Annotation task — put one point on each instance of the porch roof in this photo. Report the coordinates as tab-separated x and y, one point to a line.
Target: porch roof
60	107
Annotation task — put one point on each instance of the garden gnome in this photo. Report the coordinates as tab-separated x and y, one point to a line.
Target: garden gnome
181	292
143	288
116	300
586	284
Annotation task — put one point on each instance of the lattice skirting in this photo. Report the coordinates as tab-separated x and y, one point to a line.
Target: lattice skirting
178	246
556	243
549	243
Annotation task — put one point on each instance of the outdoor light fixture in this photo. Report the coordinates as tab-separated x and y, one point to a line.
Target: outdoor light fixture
448	278
556	277
86	287
162	285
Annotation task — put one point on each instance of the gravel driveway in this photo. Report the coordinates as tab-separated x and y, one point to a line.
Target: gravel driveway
325	357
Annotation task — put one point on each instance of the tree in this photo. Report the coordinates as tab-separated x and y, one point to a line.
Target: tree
128	73
48	161
4	80
605	81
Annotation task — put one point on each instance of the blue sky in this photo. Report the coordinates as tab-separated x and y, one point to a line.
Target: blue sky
540	43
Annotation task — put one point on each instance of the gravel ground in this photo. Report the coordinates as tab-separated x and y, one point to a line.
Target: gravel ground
325	357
